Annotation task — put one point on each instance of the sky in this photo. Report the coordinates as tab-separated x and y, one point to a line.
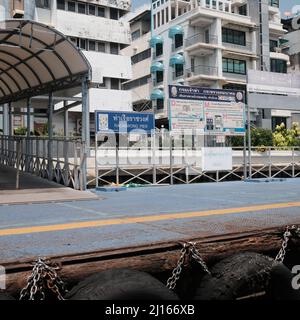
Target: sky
286	5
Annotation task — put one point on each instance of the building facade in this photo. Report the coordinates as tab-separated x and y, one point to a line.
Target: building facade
140	53
95	26
213	44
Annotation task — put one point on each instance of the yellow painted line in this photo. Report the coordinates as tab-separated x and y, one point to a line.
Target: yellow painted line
152	218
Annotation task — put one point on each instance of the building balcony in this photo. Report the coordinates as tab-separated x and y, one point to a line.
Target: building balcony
247	49
235	78
201	44
202	75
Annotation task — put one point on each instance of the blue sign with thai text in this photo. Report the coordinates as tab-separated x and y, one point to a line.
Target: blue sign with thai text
124	122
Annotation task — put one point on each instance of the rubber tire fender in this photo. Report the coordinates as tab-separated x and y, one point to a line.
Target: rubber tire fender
236	277
121	284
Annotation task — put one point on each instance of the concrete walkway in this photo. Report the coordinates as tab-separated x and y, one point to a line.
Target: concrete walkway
35	189
146	216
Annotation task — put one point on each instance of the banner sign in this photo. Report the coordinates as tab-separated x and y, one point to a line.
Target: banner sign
217	159
124	122
207	110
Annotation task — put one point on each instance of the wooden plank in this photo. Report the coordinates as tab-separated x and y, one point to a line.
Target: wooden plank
154	259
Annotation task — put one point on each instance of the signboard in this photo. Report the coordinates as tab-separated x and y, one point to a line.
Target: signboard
217	159
207	110
123	122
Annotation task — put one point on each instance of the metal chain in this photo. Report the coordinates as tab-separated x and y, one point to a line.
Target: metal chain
290	233
190	249
43	276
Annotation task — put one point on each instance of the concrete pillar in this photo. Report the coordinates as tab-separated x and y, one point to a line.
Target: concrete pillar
85	113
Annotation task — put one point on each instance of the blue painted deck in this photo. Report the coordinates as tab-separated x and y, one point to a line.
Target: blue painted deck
141	202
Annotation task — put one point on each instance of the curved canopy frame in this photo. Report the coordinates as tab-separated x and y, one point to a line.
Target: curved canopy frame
36	59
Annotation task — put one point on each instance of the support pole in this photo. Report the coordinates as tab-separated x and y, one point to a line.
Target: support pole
10	121
5	120
85	130
28	129
50	136
66	120
249	142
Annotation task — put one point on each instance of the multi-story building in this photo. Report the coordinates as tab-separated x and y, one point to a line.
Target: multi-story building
140	52
95	26
212	43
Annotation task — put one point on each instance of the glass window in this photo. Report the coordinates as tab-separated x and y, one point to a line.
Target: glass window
101	47
279	66
234	36
178	70
114	14
234	66
82	8
61	5
115	84
92	45
82	44
136	34
101	12
114	48
159	50
178	41
159	104
71	6
43	4
92	10
159	76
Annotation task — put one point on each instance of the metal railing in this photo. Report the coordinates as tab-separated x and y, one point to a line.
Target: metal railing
59	160
201	38
163	159
247	47
202	70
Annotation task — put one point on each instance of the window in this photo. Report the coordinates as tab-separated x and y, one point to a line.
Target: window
178	40
159	50
114	14
71	6
92	10
141	56
159	76
92	45
243	10
115	84
101	47
82	44
61	5
43	4
234	36
114	48
178	70
136	35
101	12
274	3
234	66
159	104
273	45
137	83
279	66
82	8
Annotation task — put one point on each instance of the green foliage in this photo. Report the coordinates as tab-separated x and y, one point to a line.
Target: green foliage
284	137
259	138
22	131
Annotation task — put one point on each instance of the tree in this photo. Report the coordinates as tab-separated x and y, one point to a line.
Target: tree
284	137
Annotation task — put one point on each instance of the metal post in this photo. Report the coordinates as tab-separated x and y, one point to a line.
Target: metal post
96	161
28	151
154	156
245	158
85	128
10	121
270	163
117	166
50	136
66	120
293	165
249	141
18	164
171	159
5	119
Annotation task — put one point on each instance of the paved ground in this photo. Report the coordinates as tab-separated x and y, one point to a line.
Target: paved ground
146	215
34	189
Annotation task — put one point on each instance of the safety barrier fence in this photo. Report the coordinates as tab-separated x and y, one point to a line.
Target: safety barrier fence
59	160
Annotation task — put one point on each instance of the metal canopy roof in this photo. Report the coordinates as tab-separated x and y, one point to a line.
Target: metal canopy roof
36	59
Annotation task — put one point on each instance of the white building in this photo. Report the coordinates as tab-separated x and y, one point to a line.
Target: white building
140	53
97	28
212	44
